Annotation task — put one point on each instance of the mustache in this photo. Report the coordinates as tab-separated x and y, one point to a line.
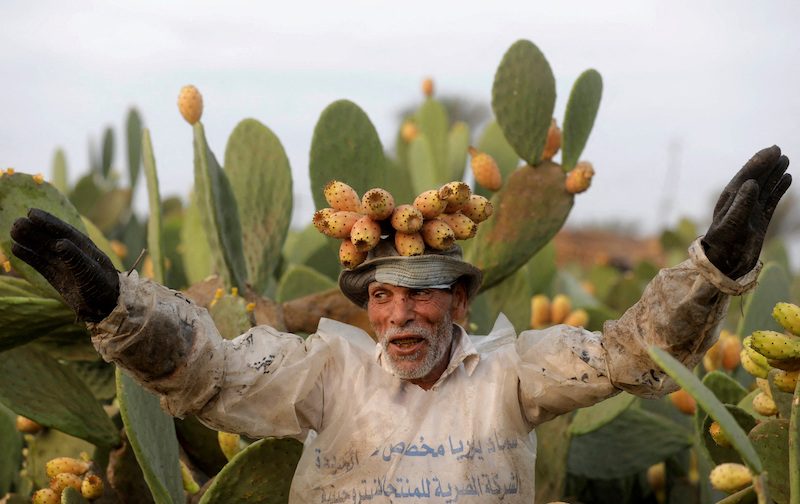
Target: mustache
415	329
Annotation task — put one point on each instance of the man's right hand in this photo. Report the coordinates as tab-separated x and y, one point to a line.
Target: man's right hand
70	261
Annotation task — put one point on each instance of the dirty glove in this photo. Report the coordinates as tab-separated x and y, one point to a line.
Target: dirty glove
743	211
70	261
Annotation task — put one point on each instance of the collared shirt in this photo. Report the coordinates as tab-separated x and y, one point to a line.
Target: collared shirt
372	437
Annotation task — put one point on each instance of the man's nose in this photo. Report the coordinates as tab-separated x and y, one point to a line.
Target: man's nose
402	311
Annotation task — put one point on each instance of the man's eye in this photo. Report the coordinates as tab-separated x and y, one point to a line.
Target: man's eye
422	294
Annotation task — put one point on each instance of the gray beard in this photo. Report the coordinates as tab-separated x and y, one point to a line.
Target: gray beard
439	340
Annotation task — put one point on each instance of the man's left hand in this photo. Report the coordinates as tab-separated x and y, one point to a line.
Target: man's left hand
742	213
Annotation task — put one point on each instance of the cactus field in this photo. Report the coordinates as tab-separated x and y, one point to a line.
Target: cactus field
75	429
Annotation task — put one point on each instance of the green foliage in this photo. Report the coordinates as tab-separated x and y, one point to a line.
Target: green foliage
261	180
261	473
151	433
26	318
196	250
512	298
36	386
771	441
722	454
590	419
523	99
154	228
493	142
11	454
299	280
107	153
346	147
59	180
133	129
230	315
584	101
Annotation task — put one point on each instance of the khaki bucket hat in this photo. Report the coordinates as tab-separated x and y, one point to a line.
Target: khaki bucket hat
432	270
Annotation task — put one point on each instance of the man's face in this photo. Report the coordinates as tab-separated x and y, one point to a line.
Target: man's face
414	326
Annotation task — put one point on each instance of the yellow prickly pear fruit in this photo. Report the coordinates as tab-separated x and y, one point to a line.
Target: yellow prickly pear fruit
456	194
463	227
339	224
409	244
718	435
560	308
365	234
785	380
69	465
63	480
407	219
540	311
429	204
409	131
437	234
38	179
750	365
683	401
28	426
189	483
788	316
764	405
553	142
730	477
228	443
190	104
427	87
46	496
485	170
577	318
775	345
92	487
320	219
579	178
763	386
342	197
377	203
477	208
349	255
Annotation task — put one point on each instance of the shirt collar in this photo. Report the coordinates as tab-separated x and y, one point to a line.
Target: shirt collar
462	350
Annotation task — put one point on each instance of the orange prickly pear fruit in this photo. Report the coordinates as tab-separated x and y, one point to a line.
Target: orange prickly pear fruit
63	480
407	219
365	234
349	255
427	87
119	248
320	219
712	360
409	244
341	196
560	308
38	179
579	178
477	208
92	487
409	131
718	435
485	170
730	477
456	194
69	465
377	203
339	224
190	104
46	496
731	350
27	425
429	204
437	234
577	318
764	405
540	311
684	402
228	443
553	142
463	227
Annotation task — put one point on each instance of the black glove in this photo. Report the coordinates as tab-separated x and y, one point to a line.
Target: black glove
734	239
70	261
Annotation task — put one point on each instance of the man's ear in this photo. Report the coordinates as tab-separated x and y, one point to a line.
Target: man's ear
460	304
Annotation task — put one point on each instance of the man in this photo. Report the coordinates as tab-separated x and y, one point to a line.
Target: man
429	413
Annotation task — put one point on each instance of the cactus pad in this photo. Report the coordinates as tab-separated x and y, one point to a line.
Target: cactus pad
584	101
493	142
133	129
523	98
154	244
230	315
261	473
771	440
590	419
457	143
301	280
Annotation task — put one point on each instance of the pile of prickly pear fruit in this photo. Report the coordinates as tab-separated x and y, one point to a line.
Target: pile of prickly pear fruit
546	312
435	220
68	472
772	351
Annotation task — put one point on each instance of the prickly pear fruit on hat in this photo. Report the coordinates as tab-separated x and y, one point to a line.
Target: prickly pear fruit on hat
455	194
377	203
579	178
463	227
320	219
349	255
429	204
341	196
407	219
437	234
365	234
339	224
409	244
553	142
190	104
477	208
485	170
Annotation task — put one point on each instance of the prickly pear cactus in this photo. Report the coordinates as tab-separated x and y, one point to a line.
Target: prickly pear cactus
231	315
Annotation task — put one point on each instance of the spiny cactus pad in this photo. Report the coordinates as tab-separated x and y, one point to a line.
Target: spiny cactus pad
584	101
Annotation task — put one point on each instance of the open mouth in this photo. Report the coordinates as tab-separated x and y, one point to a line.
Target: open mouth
406	343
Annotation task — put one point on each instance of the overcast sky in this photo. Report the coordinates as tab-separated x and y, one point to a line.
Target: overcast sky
717	80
